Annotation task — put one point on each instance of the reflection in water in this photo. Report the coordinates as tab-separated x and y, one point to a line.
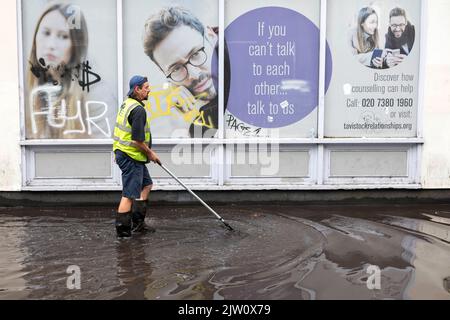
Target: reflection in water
277	252
429	256
133	271
12	255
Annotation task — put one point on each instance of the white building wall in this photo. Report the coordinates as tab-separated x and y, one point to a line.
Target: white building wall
436	150
10	158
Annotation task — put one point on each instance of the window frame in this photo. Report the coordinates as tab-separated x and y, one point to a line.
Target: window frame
319	146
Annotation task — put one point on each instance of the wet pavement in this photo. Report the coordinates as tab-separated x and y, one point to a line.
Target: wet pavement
290	251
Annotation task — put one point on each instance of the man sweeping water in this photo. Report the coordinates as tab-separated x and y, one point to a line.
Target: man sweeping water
132	148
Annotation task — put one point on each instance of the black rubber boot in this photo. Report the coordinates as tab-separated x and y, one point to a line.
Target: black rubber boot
139	211
123	224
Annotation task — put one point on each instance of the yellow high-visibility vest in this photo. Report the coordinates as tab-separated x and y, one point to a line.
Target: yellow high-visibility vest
122	132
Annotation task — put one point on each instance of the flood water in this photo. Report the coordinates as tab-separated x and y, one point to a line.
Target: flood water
290	251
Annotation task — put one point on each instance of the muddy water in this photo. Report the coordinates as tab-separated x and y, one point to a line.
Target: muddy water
276	252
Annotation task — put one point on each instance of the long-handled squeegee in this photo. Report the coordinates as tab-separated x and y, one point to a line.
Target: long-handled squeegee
197	197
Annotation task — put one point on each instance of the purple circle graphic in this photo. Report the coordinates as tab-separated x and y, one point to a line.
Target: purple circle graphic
274	56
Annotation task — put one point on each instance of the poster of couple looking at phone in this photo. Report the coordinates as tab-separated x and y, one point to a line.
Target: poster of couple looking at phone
381	52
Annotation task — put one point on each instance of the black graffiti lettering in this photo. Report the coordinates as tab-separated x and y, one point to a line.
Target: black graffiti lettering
241	127
84	82
235	125
40	69
245	130
64	72
257	131
36	70
76	72
230	120
83	70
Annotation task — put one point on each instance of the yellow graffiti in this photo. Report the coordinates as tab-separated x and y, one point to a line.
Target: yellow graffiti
176	102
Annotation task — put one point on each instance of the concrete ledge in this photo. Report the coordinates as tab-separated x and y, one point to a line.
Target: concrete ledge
111	198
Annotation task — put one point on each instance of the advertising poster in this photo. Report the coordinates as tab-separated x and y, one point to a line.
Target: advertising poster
69	68
175	45
376	53
274	57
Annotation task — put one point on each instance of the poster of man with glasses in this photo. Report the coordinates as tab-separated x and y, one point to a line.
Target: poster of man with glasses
399	38
180	48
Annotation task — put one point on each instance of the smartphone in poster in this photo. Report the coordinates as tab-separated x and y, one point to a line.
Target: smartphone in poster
376	51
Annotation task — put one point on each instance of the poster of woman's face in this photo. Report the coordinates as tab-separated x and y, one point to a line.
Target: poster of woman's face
382	33
69	81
